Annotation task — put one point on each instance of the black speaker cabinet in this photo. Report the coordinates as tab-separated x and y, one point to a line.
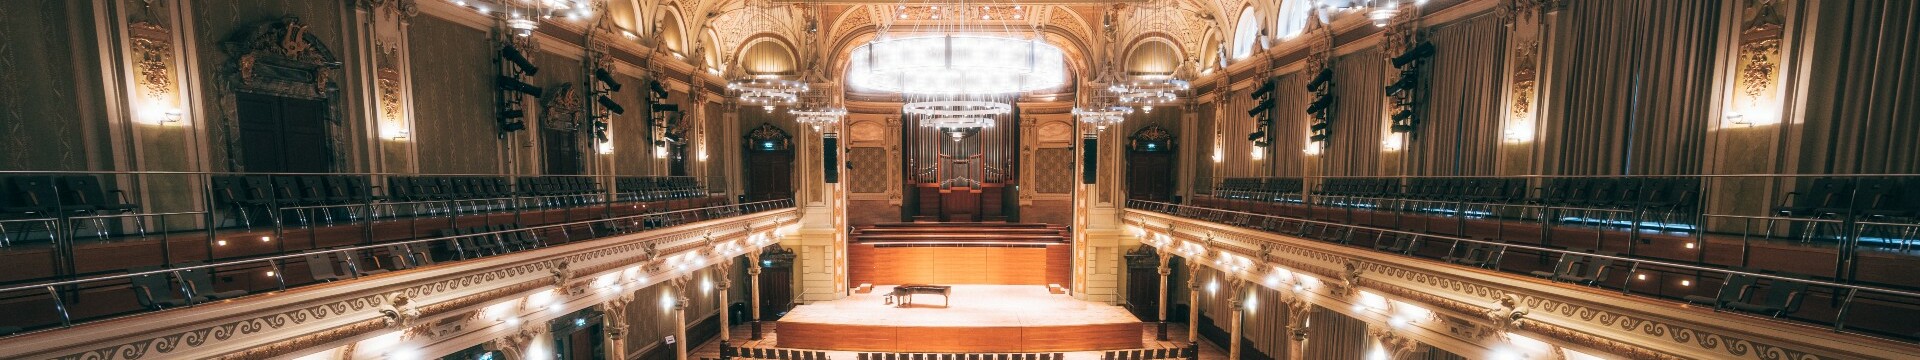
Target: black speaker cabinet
830	157
1089	159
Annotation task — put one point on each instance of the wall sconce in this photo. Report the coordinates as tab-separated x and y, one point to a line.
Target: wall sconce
1314	148
171	117
701	155
400	135
1392	143
606	147
1258	153
1735	118
1518	132
660	151
1218	155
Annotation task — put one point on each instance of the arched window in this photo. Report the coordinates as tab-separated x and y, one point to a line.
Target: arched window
1244	33
1293	18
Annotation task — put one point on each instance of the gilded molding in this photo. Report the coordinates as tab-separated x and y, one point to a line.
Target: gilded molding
153	59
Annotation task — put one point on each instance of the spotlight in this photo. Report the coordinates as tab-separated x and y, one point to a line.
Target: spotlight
1321	137
1255	136
1320	103
606	78
666	107
1317	126
511	84
1403	114
514	56
608	103
1322	78
659	92
1418	52
512	126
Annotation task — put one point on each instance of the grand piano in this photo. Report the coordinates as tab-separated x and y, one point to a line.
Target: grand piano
902	295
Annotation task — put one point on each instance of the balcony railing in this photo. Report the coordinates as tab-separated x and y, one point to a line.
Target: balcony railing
74	259
1848	307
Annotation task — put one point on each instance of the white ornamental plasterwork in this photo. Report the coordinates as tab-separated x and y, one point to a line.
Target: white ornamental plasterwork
1185	27
1543	313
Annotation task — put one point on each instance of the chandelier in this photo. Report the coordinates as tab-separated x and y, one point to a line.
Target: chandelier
1102	116
957	64
1381	12
767	92
957	117
818	116
523	16
1148	92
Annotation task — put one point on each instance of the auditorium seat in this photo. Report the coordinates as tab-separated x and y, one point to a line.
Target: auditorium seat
85	191
1814	202
200	281
154	291
1579	269
1474	254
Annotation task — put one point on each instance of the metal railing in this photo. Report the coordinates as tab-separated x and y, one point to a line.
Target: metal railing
59	291
1843	295
1720	208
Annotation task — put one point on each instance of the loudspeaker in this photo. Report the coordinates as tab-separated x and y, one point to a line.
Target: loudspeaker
1089	160
830	155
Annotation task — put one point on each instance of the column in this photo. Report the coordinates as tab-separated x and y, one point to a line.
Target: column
615	317
1193	302
1397	346
1298	310
1165	271
680	316
753	283
723	282
1236	305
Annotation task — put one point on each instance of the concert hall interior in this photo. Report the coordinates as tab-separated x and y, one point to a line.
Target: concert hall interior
959	179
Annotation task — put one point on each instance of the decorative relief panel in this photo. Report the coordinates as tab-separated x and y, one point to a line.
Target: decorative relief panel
153	61
1759	56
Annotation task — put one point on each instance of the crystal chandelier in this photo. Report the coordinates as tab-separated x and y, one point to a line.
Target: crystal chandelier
957	64
523	16
818	116
1149	92
766	92
1102	116
957	117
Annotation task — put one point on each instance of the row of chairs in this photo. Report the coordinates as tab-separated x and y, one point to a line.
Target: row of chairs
1880	200
1596	200
1264	189
250	196
1151	354
772	354
176	288
46	200
652	188
1782	297
478	241
960	356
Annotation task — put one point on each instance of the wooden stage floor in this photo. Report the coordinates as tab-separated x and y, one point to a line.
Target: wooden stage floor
980	318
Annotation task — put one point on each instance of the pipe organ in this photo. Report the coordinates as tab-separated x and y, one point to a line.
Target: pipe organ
963	174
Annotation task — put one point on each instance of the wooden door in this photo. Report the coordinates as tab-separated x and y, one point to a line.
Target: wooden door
280	134
562	149
776	290
769	175
1150	176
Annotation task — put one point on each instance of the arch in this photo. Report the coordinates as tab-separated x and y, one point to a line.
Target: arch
766	54
1245	33
1291	18
672	29
1209	51
712	60
1153	56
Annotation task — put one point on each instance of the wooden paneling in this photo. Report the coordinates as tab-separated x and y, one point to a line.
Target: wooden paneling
867	264
960	338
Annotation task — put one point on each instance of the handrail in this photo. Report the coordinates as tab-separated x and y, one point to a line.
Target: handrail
39	286
1557	251
156	172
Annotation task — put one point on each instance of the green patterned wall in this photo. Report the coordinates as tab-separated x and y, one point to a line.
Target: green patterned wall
50	95
453	98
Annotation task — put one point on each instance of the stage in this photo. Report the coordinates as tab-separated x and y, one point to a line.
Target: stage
982	318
